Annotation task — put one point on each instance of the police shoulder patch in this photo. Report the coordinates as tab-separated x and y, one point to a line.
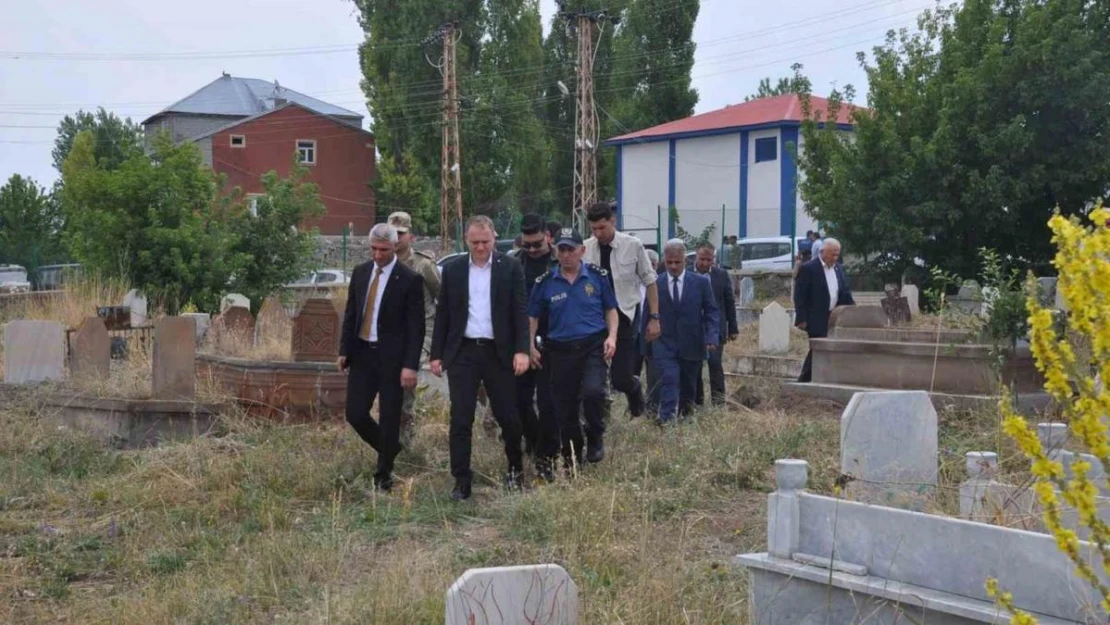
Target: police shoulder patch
596	269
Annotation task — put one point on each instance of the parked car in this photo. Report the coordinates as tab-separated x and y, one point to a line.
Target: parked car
770	254
13	279
322	278
449	257
54	277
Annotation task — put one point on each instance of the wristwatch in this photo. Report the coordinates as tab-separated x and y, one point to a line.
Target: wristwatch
653	316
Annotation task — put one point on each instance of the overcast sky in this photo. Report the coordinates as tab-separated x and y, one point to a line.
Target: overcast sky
113	54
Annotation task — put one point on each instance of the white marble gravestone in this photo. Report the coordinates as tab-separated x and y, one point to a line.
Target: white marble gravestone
541	594
747	292
913	298
138	305
203	321
888	445
232	300
774	329
34	351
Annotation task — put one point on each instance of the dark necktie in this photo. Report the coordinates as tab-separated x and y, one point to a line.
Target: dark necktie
674	291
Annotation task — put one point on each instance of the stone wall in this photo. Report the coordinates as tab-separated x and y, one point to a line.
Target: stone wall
329	250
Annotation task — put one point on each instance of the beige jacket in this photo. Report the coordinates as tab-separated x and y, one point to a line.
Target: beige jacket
631	269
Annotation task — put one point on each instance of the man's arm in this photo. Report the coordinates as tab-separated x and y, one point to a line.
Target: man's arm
730	306
711	320
414	321
801	297
520	309
350	314
439	330
431	278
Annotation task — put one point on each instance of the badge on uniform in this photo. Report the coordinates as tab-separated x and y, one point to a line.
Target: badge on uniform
589	289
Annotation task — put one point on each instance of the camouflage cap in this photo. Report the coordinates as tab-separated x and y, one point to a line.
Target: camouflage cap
401	221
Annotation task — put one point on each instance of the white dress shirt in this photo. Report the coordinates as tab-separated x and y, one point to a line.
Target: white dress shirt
834	284
681	278
479	318
383	279
631	269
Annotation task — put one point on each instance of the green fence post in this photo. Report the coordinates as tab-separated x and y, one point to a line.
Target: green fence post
659	229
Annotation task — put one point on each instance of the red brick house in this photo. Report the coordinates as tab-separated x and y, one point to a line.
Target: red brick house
246	127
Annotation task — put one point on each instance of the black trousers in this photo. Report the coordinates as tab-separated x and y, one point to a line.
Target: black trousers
716	377
623	368
373	374
477	363
533	393
577	375
807	366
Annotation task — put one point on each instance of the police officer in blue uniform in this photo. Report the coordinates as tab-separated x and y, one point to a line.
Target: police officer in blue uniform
581	338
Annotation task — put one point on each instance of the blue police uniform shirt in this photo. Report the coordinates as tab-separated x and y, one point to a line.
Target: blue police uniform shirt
575	311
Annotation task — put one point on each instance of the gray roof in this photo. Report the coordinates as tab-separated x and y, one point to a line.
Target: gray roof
339	120
243	97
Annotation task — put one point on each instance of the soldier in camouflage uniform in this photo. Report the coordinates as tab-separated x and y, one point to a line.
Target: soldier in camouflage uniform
425	266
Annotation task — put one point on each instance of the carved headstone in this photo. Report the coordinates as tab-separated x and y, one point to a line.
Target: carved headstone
774	329
857	317
316	332
897	309
175	347
90	351
273	325
234	300
513	595
138	305
913	298
234	326
34	351
888	445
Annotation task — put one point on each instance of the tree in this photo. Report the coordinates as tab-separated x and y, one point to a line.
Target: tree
30	225
116	139
271	244
978	125
794	84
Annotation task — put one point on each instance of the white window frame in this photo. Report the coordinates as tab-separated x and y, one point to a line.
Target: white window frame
300	155
252	202
232	138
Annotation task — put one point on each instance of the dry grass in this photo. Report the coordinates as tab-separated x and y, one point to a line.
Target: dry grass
747	343
274	523
79	300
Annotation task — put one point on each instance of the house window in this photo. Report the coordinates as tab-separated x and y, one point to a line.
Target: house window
766	149
252	202
306	151
238	141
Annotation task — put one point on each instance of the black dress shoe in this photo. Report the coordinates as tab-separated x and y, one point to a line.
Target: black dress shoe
513	482
595	451
544	472
384	484
461	492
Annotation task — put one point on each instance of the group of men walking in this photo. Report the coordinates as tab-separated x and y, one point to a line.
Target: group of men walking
544	331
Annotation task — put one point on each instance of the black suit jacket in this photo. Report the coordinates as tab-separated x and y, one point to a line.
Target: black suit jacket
726	301
400	317
811	296
508	309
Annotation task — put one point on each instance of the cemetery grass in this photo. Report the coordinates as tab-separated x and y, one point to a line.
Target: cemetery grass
263	523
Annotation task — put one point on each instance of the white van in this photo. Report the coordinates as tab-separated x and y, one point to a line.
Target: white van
768	254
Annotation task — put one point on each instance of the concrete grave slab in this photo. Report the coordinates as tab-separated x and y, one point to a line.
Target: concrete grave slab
175	346
857	317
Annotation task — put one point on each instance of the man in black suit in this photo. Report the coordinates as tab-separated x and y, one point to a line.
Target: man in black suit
383	333
481	336
820	286
726	303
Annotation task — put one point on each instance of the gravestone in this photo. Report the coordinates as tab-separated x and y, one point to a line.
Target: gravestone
203	321
34	351
316	332
913	298
234	326
513	595
989	295
234	300
969	299
747	292
986	500
888	445
1059	303
273	324
1046	292
897	309
857	317
90	351
774	329
175	346
137	303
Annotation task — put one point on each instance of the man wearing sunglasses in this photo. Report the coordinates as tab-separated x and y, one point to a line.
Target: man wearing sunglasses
533	388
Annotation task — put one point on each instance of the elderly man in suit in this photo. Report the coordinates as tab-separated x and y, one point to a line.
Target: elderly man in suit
689	327
383	332
726	304
481	337
820	286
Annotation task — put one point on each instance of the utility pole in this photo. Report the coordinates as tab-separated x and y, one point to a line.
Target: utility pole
583	23
450	186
